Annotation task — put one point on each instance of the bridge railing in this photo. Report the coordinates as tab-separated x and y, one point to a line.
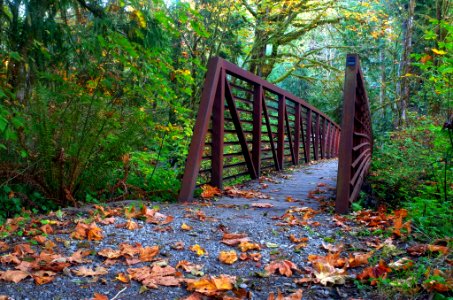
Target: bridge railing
356	142
246	125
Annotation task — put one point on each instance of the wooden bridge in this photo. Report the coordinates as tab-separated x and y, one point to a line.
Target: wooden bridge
246	125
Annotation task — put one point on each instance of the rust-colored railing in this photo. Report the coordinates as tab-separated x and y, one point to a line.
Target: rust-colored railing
356	143
246	124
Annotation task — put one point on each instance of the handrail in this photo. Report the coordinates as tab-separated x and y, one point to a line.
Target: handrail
356	142
244	122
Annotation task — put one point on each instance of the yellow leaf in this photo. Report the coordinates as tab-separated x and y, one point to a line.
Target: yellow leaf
184	226
198	250
228	257
438	52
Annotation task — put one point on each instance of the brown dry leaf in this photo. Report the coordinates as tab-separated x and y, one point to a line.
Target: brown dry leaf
152	277
130	225
432	284
106	221
357	260
148	253
211	285
246	246
47	229
228	257
262	205
22	250
43	277
233	239
186	227
123	278
178	245
110	253
5	297
9	258
40	239
297	295
130	250
4	246
100	297
90	232
326	268
249	194
379	271
296	240
403	263
419	250
210	191
13	275
290	199
255	256
190	267
85	271
78	257
198	250
284	267
333	248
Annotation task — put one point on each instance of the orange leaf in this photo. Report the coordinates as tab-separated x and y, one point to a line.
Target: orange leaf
13	275
43	277
198	250
85	271
210	286
262	205
210	191
123	278
297	295
246	246
232	239
228	257
378	271
100	297
284	267
186	227
147	253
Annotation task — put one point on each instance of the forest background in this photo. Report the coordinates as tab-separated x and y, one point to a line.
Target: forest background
98	98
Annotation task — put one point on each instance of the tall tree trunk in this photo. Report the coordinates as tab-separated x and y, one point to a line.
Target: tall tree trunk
404	91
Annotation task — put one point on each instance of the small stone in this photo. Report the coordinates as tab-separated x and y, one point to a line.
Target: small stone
243	286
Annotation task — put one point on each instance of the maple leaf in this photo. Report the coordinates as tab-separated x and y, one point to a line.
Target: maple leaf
190	267
13	275
152	277
78	257
249	194
148	253
379	271
123	278
179	245
359	259
198	250
228	257
186	227
85	271
43	277
110	253
210	191
211	285
421	249
22	250
98	296
4	246
130	225
262	205
284	267
297	295
333	248
9	258
438	282
246	246
91	232
40	239
47	229
233	239
129	250
401	264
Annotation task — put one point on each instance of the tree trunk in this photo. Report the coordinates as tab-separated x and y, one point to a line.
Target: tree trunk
404	68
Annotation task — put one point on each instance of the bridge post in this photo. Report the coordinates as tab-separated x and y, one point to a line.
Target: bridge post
347	126
257	123
317	138
281	130
217	134
297	133
308	136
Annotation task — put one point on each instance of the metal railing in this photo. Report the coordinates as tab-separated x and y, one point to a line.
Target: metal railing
246	125
356	143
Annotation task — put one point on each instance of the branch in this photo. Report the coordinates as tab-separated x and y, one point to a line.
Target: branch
249	8
94	9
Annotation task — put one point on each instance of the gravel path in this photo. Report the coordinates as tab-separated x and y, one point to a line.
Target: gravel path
305	186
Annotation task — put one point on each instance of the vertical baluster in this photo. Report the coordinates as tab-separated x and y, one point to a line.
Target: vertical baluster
317	137
297	133
281	129
308	135
257	122
218	114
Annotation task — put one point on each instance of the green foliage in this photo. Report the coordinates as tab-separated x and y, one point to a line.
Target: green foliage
413	168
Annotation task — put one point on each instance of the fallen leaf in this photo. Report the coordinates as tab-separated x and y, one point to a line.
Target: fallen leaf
379	271
198	250
228	257
284	267
402	264
233	239
262	205
210	191
186	227
246	246
297	295
85	271
148	253
190	267
333	248
110	253
43	277
123	278
211	285
178	245
13	275
100	297
152	277
421	249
